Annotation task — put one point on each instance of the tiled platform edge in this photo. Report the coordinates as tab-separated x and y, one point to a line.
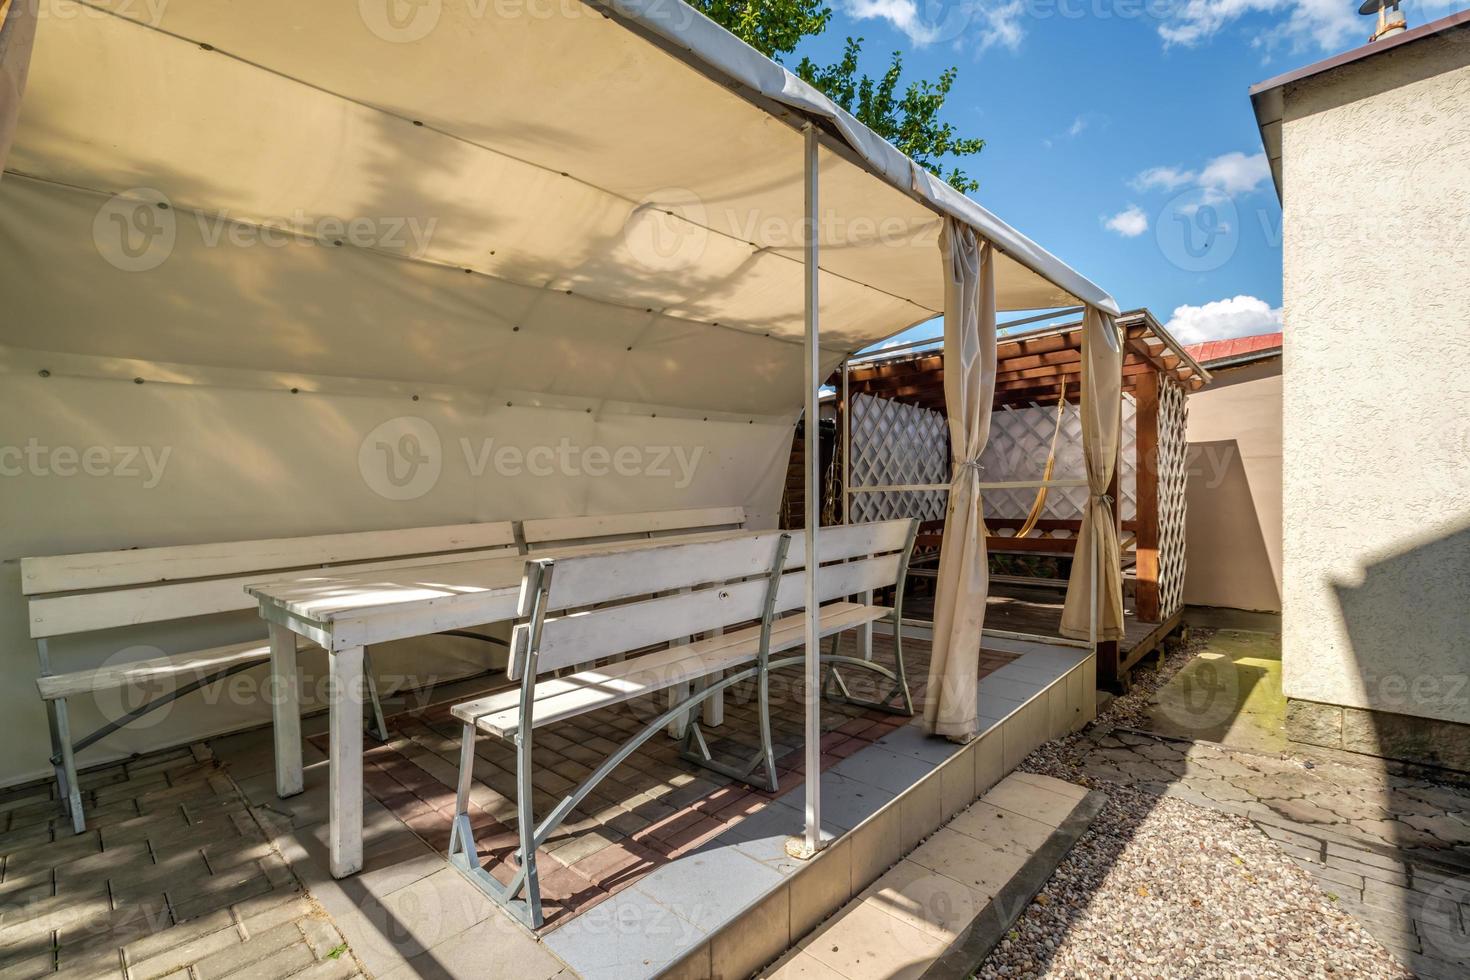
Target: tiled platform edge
938	912
1034	699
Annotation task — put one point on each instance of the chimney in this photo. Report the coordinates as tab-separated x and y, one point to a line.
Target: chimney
1390	18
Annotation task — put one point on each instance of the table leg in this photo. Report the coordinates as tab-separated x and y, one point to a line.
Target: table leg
286	710
345	791
714	708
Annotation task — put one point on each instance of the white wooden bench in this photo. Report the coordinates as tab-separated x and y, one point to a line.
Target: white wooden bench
599	614
564	532
73	595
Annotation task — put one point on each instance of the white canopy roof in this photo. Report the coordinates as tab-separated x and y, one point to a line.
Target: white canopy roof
541	197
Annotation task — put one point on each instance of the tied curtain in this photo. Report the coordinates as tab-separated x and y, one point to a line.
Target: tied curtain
1102	393
951	708
17	34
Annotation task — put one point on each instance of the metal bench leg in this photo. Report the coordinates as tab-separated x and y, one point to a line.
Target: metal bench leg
526	821
695	749
72	794
376	726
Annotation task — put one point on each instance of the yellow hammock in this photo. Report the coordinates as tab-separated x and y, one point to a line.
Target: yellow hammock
1037	506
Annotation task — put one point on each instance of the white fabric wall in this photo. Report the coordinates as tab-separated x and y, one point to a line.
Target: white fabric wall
246	463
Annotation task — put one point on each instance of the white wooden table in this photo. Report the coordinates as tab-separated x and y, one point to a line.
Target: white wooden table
343	614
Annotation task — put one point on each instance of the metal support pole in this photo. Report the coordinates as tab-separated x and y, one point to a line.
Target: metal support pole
813	454
865	634
846	446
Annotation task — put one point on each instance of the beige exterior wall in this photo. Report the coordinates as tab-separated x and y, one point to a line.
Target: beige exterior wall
1376	183
1233	528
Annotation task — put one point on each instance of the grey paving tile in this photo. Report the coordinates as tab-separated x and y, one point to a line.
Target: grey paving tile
495	949
884	768
845	802
710	888
910	740
628	937
1014	688
1022	669
996	706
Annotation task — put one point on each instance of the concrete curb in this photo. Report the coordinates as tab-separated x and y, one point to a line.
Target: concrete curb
968	951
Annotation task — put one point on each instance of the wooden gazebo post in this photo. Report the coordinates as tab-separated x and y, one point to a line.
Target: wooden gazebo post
1146	604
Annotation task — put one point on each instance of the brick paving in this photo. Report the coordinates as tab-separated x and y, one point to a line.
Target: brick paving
175	876
651	810
172	878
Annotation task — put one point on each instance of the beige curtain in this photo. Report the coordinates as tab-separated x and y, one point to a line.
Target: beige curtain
17	34
951	708
1102	391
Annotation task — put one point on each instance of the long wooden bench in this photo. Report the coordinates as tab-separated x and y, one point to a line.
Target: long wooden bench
598	615
73	595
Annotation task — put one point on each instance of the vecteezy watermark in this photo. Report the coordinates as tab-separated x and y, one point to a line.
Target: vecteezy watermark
1444	920
244	688
144	463
671	229
403	459
1199	230
406	21
137	230
667	231
148	12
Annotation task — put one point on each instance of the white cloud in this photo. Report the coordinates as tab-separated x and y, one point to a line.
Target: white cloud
1130	222
1224	319
1165	178
1329	25
981	23
1000	23
902	14
1220	178
1078	125
1235	173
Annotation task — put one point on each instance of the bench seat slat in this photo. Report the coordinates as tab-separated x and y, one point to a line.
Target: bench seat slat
67	614
566	530
566	697
141	566
192	665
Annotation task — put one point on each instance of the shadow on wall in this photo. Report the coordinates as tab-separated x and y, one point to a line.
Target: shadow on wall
1229	564
1408	624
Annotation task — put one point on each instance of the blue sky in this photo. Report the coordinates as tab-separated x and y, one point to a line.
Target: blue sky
1119	132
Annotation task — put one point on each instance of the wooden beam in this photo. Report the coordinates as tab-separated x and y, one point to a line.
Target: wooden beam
1146	591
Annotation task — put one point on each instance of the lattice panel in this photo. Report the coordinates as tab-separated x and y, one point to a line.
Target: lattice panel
895	444
1020	441
1173	475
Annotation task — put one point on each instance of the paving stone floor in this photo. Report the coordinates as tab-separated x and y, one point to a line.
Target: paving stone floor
653	809
191	868
1391	843
172	878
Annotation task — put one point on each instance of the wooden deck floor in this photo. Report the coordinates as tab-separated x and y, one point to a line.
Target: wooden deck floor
1037	611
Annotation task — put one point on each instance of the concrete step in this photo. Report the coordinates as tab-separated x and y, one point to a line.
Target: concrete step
941	910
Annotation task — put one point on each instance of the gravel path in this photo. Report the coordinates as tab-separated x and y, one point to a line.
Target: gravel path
1159	887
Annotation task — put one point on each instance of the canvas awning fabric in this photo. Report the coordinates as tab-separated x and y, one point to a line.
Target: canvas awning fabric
545	198
17	34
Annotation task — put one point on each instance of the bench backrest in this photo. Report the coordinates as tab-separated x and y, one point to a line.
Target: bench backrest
552	532
102	590
716	585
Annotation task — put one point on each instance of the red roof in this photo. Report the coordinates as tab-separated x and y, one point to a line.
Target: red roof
1214	351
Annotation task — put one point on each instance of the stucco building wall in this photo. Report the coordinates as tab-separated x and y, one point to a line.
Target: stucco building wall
1233	527
1376	239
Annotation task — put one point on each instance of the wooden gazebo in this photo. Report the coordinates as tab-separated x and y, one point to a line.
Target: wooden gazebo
891	407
